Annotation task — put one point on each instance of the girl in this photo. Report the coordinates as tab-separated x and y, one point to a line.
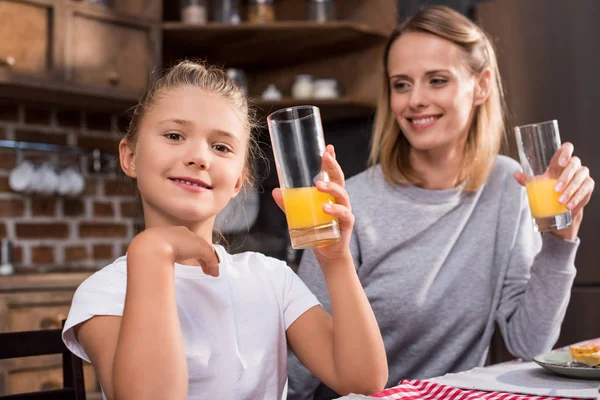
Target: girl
179	317
443	239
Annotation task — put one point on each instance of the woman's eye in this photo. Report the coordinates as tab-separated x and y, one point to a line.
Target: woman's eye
173	136
438	81
222	148
400	85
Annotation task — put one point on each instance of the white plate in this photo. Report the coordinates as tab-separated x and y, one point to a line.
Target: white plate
557	361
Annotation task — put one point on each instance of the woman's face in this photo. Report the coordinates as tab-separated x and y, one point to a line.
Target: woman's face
432	94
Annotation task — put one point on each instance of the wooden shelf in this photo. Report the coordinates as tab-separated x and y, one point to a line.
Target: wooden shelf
60	93
333	109
259	46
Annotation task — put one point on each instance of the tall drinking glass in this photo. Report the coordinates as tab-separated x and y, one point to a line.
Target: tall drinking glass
538	144
298	145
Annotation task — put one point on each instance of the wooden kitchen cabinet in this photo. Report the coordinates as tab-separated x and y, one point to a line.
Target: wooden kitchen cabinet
104	50
29	33
147	9
76	54
144	9
33	302
349	49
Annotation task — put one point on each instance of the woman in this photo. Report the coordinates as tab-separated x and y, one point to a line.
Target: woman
443	240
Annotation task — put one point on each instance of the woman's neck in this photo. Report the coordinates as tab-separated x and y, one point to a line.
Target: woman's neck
438	169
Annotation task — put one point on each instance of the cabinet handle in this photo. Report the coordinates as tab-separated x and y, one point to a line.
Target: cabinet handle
50	385
114	78
7	61
52	322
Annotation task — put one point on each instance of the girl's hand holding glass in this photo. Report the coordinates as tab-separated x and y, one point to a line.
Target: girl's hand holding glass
340	210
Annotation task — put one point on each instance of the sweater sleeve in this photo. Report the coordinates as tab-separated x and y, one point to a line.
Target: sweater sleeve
536	289
301	383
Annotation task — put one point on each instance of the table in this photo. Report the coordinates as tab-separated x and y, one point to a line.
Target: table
513	380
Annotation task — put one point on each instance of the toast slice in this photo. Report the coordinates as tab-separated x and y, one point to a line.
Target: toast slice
586	353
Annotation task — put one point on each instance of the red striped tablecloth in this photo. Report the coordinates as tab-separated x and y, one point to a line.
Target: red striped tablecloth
423	390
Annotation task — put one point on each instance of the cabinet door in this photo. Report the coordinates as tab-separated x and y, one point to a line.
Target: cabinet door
45	376
25	29
109	52
148	9
33	311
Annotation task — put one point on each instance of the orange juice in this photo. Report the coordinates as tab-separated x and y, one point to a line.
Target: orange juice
304	207
543	199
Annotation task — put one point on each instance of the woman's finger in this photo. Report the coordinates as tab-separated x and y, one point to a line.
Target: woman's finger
581	196
573	185
567	174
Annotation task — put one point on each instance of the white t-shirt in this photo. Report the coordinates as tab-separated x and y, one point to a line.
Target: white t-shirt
233	325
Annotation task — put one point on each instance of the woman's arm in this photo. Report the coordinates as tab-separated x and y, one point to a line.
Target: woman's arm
536	288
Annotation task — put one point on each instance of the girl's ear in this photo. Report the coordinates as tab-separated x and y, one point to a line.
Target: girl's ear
239	184
483	87
127	159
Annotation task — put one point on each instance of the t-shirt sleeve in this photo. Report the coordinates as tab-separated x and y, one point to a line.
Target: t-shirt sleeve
101	294
297	297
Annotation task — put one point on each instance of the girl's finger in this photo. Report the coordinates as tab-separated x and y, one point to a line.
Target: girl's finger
582	195
333	169
210	270
331	150
278	197
567	174
338	192
520	177
342	213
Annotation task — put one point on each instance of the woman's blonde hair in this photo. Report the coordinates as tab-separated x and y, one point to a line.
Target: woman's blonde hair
390	148
202	76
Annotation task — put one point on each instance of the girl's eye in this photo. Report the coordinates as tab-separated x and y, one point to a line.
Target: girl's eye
221	148
173	136
438	81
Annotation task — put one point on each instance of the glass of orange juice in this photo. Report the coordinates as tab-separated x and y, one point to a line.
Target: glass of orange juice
538	145
298	146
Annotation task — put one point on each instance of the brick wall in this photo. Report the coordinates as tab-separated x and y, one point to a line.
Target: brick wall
52	234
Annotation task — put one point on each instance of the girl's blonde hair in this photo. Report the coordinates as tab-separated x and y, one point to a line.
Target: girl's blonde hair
390	148
202	76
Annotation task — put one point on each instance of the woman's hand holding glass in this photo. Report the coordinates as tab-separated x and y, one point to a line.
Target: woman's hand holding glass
574	185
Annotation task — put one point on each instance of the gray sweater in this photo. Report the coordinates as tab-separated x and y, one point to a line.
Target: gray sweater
440	267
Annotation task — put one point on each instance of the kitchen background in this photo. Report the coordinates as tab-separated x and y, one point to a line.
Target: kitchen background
70	70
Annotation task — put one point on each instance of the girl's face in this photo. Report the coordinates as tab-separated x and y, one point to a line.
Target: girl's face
189	156
432	94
